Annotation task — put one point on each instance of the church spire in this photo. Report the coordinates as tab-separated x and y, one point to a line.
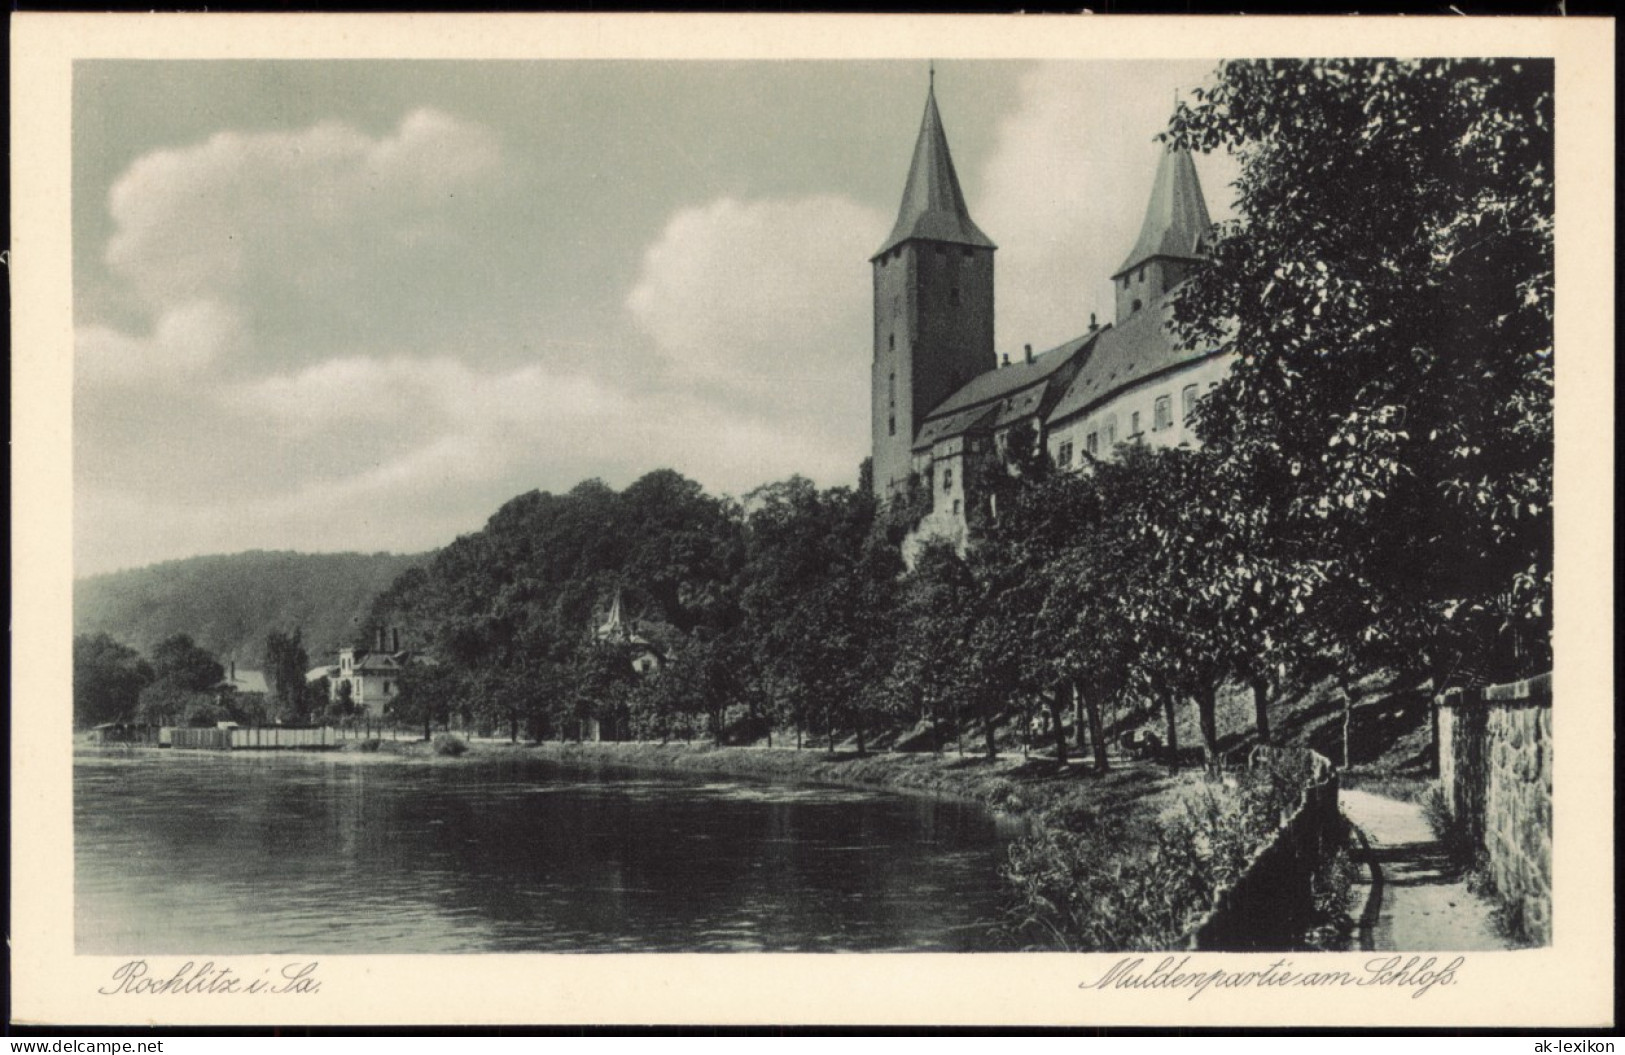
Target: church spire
1176	221
933	206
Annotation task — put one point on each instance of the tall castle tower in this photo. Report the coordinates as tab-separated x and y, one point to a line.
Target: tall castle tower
1171	238
933	304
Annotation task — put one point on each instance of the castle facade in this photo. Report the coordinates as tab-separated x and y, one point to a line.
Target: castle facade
941	397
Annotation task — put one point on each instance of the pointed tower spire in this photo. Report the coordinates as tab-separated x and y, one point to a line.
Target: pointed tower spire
933	206
1176	220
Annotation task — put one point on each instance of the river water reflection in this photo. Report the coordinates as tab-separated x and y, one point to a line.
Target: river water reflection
197	852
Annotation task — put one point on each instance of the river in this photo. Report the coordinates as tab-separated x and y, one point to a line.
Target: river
203	852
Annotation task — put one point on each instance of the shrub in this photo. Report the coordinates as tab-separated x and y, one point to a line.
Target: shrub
449	745
1003	794
1454	838
1088	881
369	745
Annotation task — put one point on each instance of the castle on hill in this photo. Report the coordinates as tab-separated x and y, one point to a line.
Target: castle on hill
940	395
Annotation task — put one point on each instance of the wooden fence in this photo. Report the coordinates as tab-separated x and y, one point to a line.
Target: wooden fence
253	738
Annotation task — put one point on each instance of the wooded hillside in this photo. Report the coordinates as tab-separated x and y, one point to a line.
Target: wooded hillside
229	603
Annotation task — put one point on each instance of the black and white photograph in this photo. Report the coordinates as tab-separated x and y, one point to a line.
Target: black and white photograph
794	508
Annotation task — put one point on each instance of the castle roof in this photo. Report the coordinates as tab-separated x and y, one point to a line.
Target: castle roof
933	206
959	423
1176	220
1124	355
1001	396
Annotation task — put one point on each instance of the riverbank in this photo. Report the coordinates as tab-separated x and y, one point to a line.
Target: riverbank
1007	784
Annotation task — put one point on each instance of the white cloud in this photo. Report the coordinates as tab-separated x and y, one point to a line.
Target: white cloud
766	299
204	221
1067	186
454	422
187	339
416	451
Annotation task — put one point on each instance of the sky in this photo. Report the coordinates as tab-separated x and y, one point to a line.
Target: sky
356	306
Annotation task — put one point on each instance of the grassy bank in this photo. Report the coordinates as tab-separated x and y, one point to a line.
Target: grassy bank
1008	784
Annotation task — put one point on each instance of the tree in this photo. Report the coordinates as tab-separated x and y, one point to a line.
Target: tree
107	680
164	702
816	595
178	662
1072	541
1388	288
425	693
933	622
285	664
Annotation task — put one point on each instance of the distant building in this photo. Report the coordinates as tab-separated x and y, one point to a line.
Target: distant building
941	399
615	629
243	681
373	676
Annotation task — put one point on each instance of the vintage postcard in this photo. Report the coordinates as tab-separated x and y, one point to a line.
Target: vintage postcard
747	520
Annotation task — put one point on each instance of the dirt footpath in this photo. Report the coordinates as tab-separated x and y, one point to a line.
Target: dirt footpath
1421	904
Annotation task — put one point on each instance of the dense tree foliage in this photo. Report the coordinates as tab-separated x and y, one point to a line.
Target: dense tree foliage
285	664
178	661
1388	286
107	680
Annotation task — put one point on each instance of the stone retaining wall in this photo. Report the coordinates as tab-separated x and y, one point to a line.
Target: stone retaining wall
1495	768
1268	906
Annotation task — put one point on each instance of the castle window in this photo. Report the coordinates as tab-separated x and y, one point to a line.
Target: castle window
386	688
891	425
968	253
1063	457
1135	306
1134	424
891	388
1091	443
956	507
1111	432
1188	402
948	478
891	342
1164	409
942	251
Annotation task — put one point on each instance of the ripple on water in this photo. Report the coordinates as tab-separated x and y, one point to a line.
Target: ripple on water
262	853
